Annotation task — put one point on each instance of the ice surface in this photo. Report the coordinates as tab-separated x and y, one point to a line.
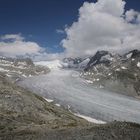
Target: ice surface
65	88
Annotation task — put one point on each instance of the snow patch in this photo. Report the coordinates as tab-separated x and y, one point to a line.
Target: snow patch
85	73
129	55
97	79
124	68
89	119
138	64
8	75
30	75
24	75
1	69
118	69
48	100
109	74
58	105
90	82
4	70
5	64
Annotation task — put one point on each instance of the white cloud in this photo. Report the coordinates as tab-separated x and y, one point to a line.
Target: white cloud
138	19
59	31
14	37
14	44
131	15
103	25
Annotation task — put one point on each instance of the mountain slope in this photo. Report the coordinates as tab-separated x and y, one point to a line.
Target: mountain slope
17	69
21	110
119	73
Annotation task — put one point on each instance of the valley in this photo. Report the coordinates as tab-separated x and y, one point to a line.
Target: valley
66	88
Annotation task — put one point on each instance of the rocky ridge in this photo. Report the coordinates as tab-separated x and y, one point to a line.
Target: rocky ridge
17	69
115	72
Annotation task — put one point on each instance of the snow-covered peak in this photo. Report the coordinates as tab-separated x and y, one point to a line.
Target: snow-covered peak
106	57
84	63
129	55
54	64
138	64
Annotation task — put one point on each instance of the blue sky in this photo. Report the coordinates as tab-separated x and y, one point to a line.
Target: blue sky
38	20
33	27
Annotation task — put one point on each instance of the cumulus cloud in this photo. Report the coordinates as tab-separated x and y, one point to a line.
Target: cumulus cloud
131	15
104	25
15	45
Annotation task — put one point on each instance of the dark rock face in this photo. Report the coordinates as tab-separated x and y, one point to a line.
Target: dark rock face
96	59
135	53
